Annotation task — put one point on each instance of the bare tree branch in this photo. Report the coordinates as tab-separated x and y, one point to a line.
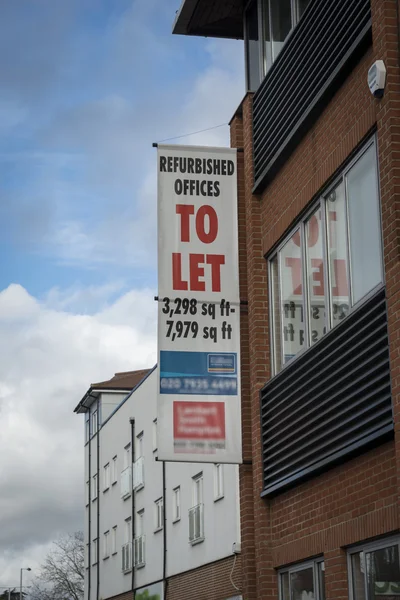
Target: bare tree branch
62	575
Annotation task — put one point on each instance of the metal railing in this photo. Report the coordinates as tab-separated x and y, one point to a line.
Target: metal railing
127	557
196	524
139	551
126	482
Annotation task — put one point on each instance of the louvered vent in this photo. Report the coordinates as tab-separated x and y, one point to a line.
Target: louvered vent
326	42
331	403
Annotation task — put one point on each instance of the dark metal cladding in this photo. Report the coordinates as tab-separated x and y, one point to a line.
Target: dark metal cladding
330	404
319	53
211	18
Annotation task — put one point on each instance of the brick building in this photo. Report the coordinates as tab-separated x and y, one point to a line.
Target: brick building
319	252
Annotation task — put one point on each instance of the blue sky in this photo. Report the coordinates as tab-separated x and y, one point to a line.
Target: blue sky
86	87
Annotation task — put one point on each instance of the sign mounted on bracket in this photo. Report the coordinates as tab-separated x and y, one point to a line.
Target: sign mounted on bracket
198	412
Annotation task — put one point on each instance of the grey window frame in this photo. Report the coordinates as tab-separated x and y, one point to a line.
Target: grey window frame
368	547
321	202
301	567
262	5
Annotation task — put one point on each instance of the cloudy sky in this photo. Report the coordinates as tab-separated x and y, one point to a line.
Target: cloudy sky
86	87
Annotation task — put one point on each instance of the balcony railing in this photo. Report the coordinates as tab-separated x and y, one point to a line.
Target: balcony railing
127	557
196	524
126	482
138	473
140	551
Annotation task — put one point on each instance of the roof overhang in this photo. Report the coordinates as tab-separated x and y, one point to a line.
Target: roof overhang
92	394
210	18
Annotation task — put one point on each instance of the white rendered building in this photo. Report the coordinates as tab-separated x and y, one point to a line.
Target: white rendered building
170	528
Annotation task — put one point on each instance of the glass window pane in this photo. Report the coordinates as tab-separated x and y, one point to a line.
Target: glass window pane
364	222
253	56
292	308
337	254
357	575
276	315
281	21
315	276
321	580
383	573
302	584
301	4
267	36
285	594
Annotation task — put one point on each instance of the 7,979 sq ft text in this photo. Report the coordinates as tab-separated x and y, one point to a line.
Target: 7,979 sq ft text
185	329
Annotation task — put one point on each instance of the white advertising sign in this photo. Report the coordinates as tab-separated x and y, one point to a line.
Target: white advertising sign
199	418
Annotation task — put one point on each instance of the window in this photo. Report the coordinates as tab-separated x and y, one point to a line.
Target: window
154	435
139	445
140	522
375	570
127	456
158	514
128	530
106	544
176	504
87	427
267	25
328	263
94	422
252	47
94	487
106	477
303	581
87	492
197	489
114	470
94	557
218	482
114	540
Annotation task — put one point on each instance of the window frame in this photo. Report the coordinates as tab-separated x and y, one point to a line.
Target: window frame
312	563
158	514
106	477
368	547
128	530
95	558
139	445
94	487
114	546
154	432
176	504
262	6
114	470
95	422
219	491
320	203
106	545
127	456
197	489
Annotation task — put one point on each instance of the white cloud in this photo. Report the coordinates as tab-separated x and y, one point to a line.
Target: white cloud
48	358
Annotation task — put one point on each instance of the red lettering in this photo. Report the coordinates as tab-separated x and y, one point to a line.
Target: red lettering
318	276
196	271
295	265
204	211
177	283
185	210
341	287
215	260
312	233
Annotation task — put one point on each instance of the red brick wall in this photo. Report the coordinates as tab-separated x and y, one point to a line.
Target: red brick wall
360	498
211	582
